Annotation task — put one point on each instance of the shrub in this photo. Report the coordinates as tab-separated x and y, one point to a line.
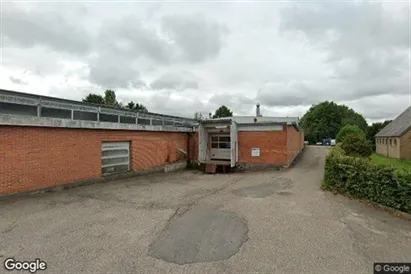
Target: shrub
347	130
360	178
356	145
337	149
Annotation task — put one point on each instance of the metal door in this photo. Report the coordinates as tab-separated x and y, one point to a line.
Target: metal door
115	157
220	147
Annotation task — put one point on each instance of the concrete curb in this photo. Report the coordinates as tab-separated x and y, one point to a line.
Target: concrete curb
392	211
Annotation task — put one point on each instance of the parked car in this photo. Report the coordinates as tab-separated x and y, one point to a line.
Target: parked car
333	142
319	143
327	142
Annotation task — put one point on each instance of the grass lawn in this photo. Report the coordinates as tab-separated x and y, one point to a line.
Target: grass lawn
401	164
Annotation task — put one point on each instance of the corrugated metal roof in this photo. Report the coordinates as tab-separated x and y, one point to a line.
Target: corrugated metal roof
398	126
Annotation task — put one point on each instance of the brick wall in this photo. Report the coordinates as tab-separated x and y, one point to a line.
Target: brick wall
193	146
405	146
33	157
387	149
272	144
295	142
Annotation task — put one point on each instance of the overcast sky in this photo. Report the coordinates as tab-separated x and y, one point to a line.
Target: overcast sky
178	58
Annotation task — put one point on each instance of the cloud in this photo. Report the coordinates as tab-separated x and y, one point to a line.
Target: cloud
361	32
305	93
37	60
124	46
366	45
48	27
197	37
17	81
240	104
110	71
128	36
178	58
375	108
177	81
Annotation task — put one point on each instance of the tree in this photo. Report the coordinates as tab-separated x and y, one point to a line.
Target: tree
223	111
349	130
325	120
94	99
131	105
140	108
356	145
375	128
110	98
198	116
136	106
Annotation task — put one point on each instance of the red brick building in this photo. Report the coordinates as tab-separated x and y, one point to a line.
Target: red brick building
48	143
250	142
40	157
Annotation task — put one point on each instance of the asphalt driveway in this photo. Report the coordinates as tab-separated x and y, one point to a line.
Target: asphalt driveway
187	222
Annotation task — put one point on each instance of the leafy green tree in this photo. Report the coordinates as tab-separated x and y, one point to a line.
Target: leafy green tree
356	145
349	130
131	105
223	111
110	98
325	120
375	128
140	108
94	99
136	106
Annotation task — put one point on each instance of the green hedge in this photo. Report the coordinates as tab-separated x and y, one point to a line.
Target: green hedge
360	178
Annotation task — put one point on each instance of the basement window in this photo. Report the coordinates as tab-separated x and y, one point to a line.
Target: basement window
115	157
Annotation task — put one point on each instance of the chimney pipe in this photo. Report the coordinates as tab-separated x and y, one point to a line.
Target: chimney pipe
257	110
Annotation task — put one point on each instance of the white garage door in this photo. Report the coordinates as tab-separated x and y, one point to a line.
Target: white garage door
115	157
220	147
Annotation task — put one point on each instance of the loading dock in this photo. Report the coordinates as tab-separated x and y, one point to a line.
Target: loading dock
249	141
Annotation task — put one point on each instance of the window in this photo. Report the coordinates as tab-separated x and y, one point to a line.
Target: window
17	109
84	115
221	141
115	157
55	113
395	142
391	142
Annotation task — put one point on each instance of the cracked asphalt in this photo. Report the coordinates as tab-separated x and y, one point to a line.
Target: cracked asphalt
188	222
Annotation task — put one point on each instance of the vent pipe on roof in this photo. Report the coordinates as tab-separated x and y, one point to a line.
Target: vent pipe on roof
257	110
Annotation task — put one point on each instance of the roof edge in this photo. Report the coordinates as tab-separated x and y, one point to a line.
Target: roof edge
396	135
